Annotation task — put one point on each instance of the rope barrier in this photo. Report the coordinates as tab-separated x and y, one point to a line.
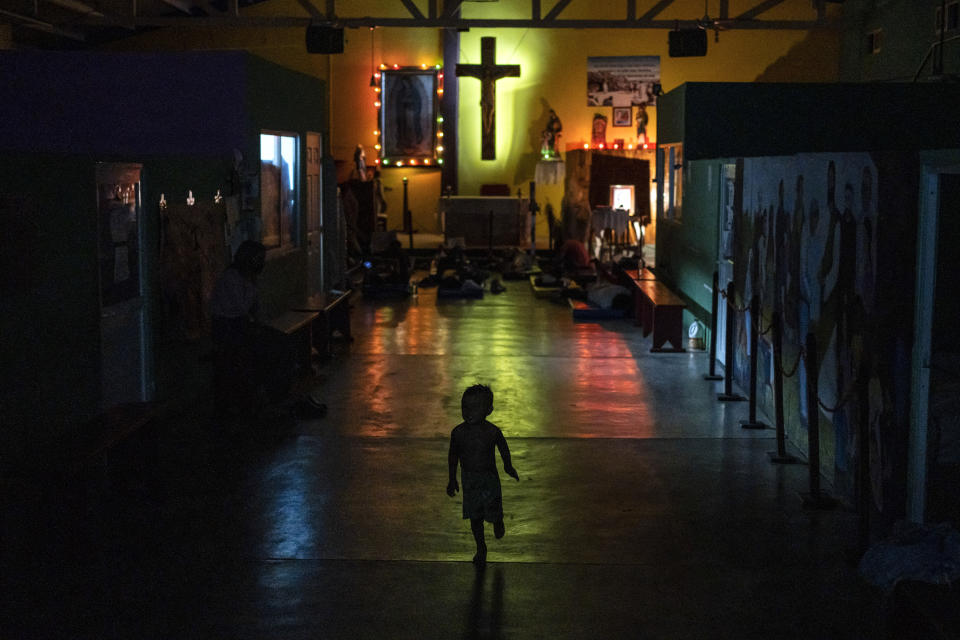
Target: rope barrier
769	328
843	399
796	365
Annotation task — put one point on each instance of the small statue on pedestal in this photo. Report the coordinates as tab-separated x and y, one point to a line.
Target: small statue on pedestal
642	119
549	136
360	162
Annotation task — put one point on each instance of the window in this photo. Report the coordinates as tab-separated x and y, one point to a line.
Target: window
670	180
621	196
675	182
278	188
874	39
953	17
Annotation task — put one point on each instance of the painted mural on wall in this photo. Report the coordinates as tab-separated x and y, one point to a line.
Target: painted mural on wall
806	245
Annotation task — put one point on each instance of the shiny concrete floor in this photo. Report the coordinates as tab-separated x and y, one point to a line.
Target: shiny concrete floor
643	510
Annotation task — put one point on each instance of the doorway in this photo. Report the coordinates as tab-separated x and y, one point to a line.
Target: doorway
934	450
125	353
314	173
725	251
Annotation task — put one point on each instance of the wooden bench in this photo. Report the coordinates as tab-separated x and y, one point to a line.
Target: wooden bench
107	467
299	325
332	313
661	312
102	436
631	279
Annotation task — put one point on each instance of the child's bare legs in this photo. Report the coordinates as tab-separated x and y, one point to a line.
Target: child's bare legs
476	525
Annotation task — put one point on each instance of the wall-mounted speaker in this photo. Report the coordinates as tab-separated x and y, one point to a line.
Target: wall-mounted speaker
323	38
688	42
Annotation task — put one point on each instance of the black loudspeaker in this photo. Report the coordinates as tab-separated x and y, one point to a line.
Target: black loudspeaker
688	42
324	39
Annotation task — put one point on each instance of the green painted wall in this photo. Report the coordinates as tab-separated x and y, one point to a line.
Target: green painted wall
753	119
908	32
51	317
281	99
718	120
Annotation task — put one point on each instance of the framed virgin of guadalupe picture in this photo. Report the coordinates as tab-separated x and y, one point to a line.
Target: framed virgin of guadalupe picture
408	116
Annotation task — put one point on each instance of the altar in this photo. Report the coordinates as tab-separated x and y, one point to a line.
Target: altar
484	221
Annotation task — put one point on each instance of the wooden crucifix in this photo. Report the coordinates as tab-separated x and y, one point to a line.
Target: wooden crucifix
488	72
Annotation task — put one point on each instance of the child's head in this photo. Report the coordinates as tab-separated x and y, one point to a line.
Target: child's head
477	403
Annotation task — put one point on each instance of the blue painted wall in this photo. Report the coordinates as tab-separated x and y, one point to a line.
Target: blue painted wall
180	115
117	104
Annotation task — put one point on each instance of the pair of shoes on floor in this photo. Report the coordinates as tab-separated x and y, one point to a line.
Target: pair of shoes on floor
497	287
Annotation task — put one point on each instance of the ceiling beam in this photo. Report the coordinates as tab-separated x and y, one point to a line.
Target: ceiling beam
412	8
180	5
312	10
557	8
40	25
211	10
656	9
226	21
76	5
750	14
452	7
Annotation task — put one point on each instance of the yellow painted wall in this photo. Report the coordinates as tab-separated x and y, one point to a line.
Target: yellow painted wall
354	115
553	72
553	66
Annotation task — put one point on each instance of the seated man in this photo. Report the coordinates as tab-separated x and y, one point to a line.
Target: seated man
255	363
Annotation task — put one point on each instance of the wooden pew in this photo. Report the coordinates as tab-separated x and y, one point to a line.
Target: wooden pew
299	324
661	312
631	280
106	467
332	311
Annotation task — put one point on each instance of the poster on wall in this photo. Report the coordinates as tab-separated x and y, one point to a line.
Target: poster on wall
622	81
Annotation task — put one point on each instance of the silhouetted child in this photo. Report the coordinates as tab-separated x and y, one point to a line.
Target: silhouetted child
471	444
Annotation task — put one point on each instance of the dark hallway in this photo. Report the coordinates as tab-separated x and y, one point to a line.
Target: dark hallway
643	510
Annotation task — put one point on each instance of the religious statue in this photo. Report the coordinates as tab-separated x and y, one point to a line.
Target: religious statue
642	119
488	72
548	145
599	130
360	162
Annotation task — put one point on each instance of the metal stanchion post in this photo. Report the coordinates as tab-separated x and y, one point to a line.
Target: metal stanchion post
780	455
714	308
407	215
490	234
863	460
815	499
751	421
533	208
728	395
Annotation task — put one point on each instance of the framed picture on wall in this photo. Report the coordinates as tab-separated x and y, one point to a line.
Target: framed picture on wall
622	116
408	116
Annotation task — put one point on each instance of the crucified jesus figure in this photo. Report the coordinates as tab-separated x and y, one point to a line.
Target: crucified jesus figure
488	72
